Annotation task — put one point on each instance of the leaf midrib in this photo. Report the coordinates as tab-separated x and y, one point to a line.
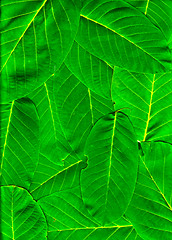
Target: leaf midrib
64	169
150	107
91	228
28	25
147	4
163	196
110	158
92	20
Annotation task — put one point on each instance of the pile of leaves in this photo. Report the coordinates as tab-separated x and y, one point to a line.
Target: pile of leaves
86	120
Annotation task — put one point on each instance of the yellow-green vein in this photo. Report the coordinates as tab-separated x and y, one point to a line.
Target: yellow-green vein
91	107
56	175
150	105
157	186
52	9
46	36
89	228
120	36
147	4
28	25
36	54
110	158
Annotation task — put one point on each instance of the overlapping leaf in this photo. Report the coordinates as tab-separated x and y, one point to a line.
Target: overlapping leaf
118	33
19	142
149	100
150	210
65	179
76	60
36	36
78	108
68	219
159	12
20	216
108	182
54	148
58	140
92	71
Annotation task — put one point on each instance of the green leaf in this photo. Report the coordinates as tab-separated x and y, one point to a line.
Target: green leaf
20	216
118	33
54	147
61	180
68	218
19	142
92	71
68	156
149	99
108	182
159	13
150	210
57	103
36	36
78	108
53	144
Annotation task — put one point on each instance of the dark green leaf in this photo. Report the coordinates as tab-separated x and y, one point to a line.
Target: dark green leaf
20	216
108	182
36	36
19	142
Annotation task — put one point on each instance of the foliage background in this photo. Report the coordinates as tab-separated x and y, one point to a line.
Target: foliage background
85	119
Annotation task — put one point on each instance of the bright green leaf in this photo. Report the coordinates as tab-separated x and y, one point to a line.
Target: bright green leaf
85	88
148	98
159	13
65	179
118	33
53	144
68	219
150	210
